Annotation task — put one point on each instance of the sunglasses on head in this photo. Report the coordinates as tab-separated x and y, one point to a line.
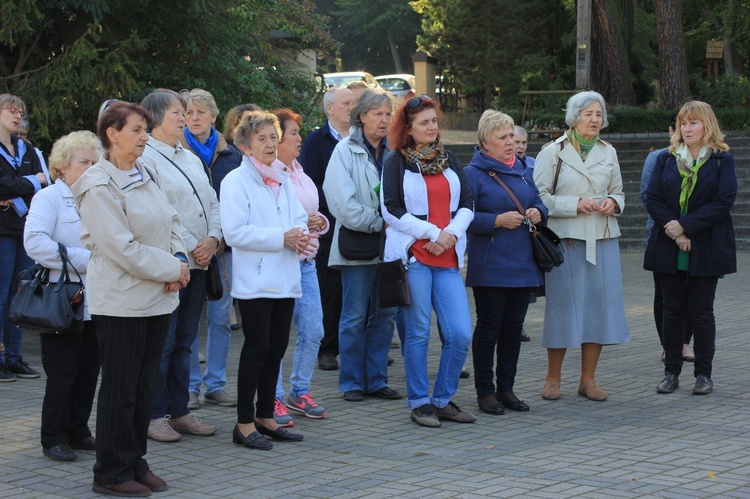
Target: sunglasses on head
414	102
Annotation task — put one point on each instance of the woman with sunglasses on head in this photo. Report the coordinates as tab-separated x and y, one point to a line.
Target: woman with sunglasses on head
691	192
427	206
21	176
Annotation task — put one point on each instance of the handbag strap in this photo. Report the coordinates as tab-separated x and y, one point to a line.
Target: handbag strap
65	262
205	216
557	170
519	206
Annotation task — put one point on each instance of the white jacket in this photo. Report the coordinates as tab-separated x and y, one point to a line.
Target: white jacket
254	223
597	178
53	218
180	193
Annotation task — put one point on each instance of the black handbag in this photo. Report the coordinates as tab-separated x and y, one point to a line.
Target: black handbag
214	285
391	281
48	307
393	284
545	244
355	245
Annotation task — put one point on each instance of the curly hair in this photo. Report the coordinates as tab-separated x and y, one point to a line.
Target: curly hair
65	146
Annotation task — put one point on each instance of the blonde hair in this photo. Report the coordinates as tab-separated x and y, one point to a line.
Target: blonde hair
713	138
65	146
490	121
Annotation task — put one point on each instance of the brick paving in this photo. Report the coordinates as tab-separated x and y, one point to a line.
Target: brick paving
636	444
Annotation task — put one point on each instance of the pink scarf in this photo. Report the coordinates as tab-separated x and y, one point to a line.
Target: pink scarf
269	174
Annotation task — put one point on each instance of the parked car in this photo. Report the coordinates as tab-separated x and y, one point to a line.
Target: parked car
400	86
341	80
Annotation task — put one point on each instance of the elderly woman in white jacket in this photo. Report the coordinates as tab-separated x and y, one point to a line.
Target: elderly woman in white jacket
266	227
584	295
71	361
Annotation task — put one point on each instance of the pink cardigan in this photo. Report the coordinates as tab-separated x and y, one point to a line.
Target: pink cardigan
307	194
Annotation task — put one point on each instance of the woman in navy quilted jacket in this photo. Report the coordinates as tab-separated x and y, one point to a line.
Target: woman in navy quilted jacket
501	269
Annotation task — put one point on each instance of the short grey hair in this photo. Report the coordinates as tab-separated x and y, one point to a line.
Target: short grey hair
370	99
581	101
519	130
157	103
243	133
490	121
331	96
202	98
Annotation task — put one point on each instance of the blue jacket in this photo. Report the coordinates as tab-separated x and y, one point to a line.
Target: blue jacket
707	223
501	257
316	153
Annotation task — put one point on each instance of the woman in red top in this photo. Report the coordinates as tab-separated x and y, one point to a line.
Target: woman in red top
427	205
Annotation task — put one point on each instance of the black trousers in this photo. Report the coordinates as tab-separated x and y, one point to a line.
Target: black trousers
688	300
500	316
71	363
130	350
659	313
329	281
265	323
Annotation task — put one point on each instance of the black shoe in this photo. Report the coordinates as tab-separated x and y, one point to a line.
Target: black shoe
279	433
524	336
390	360
88	443
327	362
386	393
253	441
354	395
425	416
60	452
490	405
669	384
234	327
510	401
6	376
703	385
465	373
21	369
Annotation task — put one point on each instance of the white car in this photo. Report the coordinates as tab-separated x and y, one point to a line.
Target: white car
400	86
341	80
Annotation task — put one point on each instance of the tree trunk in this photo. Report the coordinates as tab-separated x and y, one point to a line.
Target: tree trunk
733	62
394	52
673	76
610	68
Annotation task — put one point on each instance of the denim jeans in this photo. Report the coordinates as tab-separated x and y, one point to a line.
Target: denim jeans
500	316
171	387
442	289
13	260
365	331
308	319
689	301
218	336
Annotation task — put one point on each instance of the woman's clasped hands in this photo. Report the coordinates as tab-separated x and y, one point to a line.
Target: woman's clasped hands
298	240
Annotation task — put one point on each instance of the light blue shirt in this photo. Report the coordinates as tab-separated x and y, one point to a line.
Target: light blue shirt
336	135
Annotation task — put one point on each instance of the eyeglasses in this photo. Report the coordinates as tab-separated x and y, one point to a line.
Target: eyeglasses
15	110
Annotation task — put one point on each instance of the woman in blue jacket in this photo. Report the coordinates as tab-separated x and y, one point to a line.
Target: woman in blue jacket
501	270
692	244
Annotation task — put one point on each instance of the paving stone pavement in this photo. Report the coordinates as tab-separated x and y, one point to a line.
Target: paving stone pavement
636	444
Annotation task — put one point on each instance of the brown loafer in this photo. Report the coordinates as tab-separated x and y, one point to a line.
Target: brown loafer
551	390
592	392
153	482
131	488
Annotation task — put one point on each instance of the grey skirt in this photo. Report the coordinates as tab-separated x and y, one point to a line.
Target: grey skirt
584	302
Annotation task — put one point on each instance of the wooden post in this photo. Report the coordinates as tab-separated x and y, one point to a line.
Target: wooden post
425	69
583	48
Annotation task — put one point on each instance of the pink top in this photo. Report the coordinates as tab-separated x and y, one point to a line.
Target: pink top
307	194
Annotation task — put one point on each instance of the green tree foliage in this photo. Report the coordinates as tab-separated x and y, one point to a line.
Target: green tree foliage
378	36
64	57
501	47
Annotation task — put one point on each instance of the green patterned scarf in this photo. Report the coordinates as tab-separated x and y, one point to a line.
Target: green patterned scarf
583	146
688	168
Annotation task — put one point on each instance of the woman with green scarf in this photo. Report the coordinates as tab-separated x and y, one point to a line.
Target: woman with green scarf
579	181
691	191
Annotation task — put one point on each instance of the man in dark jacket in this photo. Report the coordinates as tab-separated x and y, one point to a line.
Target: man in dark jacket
316	152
